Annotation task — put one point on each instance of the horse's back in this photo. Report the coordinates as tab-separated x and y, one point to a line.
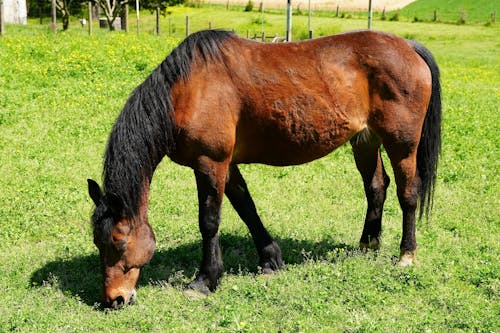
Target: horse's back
291	103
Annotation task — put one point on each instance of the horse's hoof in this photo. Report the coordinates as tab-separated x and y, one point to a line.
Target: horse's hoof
407	258
196	290
271	260
267	271
194	295
199	285
373	244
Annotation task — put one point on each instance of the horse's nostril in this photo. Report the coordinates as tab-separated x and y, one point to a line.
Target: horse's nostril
133	297
118	303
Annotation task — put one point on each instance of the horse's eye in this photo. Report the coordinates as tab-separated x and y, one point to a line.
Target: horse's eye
120	243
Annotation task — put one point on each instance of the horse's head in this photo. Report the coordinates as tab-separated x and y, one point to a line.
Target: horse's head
125	245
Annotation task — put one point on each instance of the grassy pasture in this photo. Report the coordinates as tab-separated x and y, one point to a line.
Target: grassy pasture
451	11
59	96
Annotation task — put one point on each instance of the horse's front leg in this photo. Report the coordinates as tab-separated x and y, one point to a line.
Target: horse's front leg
239	196
210	181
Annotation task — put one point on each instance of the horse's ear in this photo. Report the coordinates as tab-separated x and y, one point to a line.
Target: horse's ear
94	191
115	204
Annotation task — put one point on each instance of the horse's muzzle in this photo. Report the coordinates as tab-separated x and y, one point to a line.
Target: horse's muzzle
120	301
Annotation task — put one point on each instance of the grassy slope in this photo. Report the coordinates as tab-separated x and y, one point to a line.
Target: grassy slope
452	10
59	97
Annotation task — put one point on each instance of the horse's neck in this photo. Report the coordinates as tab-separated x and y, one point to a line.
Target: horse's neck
144	201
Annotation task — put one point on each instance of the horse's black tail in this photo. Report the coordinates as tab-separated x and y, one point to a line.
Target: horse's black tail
429	147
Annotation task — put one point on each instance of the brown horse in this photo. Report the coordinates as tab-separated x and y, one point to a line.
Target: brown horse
219	100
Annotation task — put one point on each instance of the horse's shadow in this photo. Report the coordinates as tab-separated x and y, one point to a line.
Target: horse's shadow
81	277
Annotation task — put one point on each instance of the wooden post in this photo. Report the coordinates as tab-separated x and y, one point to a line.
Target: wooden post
494	17
137	14
337	12
262	17
309	21
90	18
289	20
2	26
53	15
158	21
435	15
124	17
370	14
187	26
209	25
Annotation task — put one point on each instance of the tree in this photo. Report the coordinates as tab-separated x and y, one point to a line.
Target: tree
64	7
112	10
162	4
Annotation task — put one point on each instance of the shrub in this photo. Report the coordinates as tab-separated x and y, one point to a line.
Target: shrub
395	17
249	6
462	19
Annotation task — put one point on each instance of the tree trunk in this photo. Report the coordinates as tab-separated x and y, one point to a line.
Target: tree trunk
65	20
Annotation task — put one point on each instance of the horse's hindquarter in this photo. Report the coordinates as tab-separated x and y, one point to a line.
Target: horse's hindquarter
300	101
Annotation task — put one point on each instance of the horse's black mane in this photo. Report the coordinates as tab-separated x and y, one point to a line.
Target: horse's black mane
144	132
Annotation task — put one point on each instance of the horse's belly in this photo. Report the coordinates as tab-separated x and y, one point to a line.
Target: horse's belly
290	140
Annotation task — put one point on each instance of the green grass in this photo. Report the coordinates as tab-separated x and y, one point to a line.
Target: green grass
59	96
452	11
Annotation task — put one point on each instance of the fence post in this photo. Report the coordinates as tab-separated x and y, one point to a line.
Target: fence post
2	27
370	14
53	23
137	14
435	15
289	20
158	21
493	16
124	17
262	16
187	26
90	17
309	20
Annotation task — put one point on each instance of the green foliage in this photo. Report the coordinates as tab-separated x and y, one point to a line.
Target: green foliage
60	94
394	17
249	6
162	4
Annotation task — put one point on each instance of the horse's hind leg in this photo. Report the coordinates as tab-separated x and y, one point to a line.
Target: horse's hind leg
404	163
366	149
239	196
